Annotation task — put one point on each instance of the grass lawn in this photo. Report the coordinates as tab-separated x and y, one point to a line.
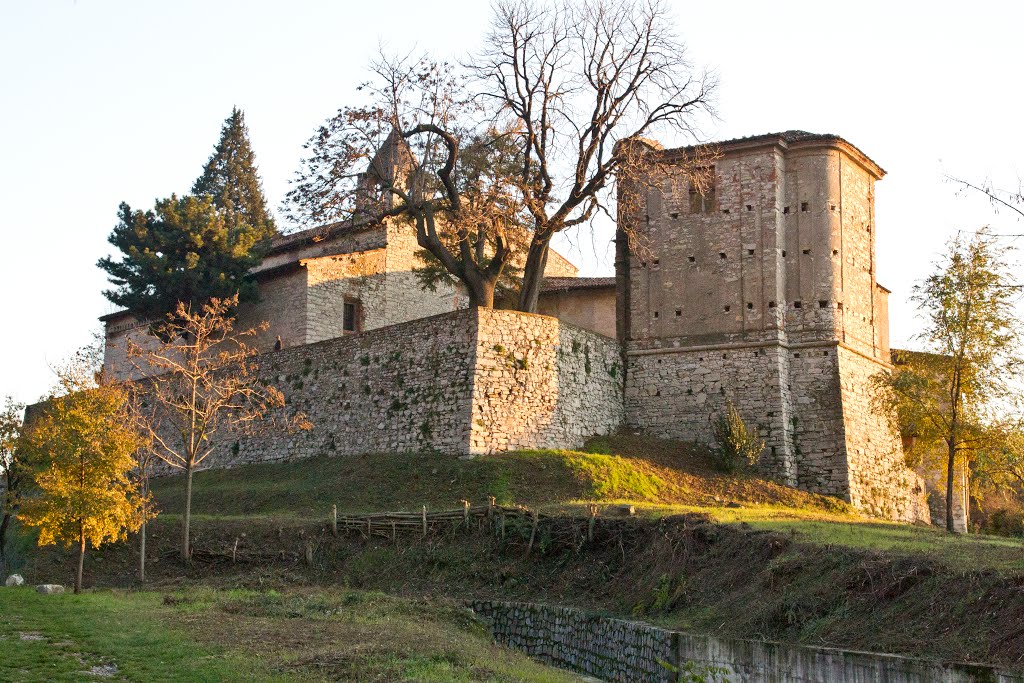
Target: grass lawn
657	477
206	635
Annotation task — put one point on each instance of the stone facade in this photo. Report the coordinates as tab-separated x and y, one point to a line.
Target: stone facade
463	383
617	650
760	290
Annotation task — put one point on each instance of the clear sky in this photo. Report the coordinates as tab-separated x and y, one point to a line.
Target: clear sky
104	101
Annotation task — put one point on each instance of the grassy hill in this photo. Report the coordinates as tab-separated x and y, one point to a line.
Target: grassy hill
658	477
736	556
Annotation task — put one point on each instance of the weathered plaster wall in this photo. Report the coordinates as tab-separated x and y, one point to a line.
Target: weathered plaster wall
590	308
617	650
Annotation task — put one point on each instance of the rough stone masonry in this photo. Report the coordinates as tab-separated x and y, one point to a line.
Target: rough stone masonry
759	288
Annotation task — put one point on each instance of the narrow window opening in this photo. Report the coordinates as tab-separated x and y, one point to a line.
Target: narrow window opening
831	207
692	259
674	214
679	313
350	319
804	206
643	264
750	306
750	252
655	314
771	304
655	263
798	304
727	307
822	304
647	218
702	199
783	253
796	355
835	252
839	305
750	207
807	252
721	255
785	209
725	210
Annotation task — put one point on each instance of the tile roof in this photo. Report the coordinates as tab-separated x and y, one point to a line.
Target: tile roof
558	284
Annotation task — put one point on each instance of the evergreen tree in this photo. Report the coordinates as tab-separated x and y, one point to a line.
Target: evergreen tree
231	178
186	250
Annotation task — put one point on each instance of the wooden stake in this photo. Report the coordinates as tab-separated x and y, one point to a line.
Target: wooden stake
334	520
465	512
234	551
533	533
424	520
591	522
309	554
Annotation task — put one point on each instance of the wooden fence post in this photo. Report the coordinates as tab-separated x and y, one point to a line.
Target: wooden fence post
334	520
465	513
424	521
533	533
591	522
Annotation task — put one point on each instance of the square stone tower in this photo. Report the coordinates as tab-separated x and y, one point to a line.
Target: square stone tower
758	287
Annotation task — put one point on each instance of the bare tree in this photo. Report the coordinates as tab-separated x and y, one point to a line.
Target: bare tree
201	383
573	79
416	153
558	87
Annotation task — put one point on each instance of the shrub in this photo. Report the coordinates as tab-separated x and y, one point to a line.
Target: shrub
736	446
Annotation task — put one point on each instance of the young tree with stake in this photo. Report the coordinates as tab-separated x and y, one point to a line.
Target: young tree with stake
201	382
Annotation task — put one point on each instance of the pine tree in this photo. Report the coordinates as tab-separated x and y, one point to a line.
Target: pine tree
185	250
231	178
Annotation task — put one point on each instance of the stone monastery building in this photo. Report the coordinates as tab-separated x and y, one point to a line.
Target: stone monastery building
758	289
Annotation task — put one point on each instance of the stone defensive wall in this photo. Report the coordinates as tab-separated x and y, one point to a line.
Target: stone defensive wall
461	383
616	650
811	402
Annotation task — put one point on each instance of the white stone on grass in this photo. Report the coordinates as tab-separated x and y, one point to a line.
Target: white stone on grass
50	589
14	580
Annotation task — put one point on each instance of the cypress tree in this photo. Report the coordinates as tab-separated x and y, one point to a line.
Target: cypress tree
231	178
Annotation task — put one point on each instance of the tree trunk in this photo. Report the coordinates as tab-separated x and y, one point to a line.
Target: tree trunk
481	291
142	531
950	469
141	553
533	273
5	524
186	548
81	558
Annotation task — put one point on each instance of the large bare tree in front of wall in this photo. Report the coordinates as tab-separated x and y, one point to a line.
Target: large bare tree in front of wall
490	161
199	384
416	152
573	80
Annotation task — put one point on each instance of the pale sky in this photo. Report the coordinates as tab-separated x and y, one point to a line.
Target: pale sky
103	102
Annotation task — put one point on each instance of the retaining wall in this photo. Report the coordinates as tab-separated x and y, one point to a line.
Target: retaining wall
465	382
617	650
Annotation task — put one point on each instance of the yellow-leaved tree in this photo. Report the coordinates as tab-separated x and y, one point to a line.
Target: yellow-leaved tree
82	443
